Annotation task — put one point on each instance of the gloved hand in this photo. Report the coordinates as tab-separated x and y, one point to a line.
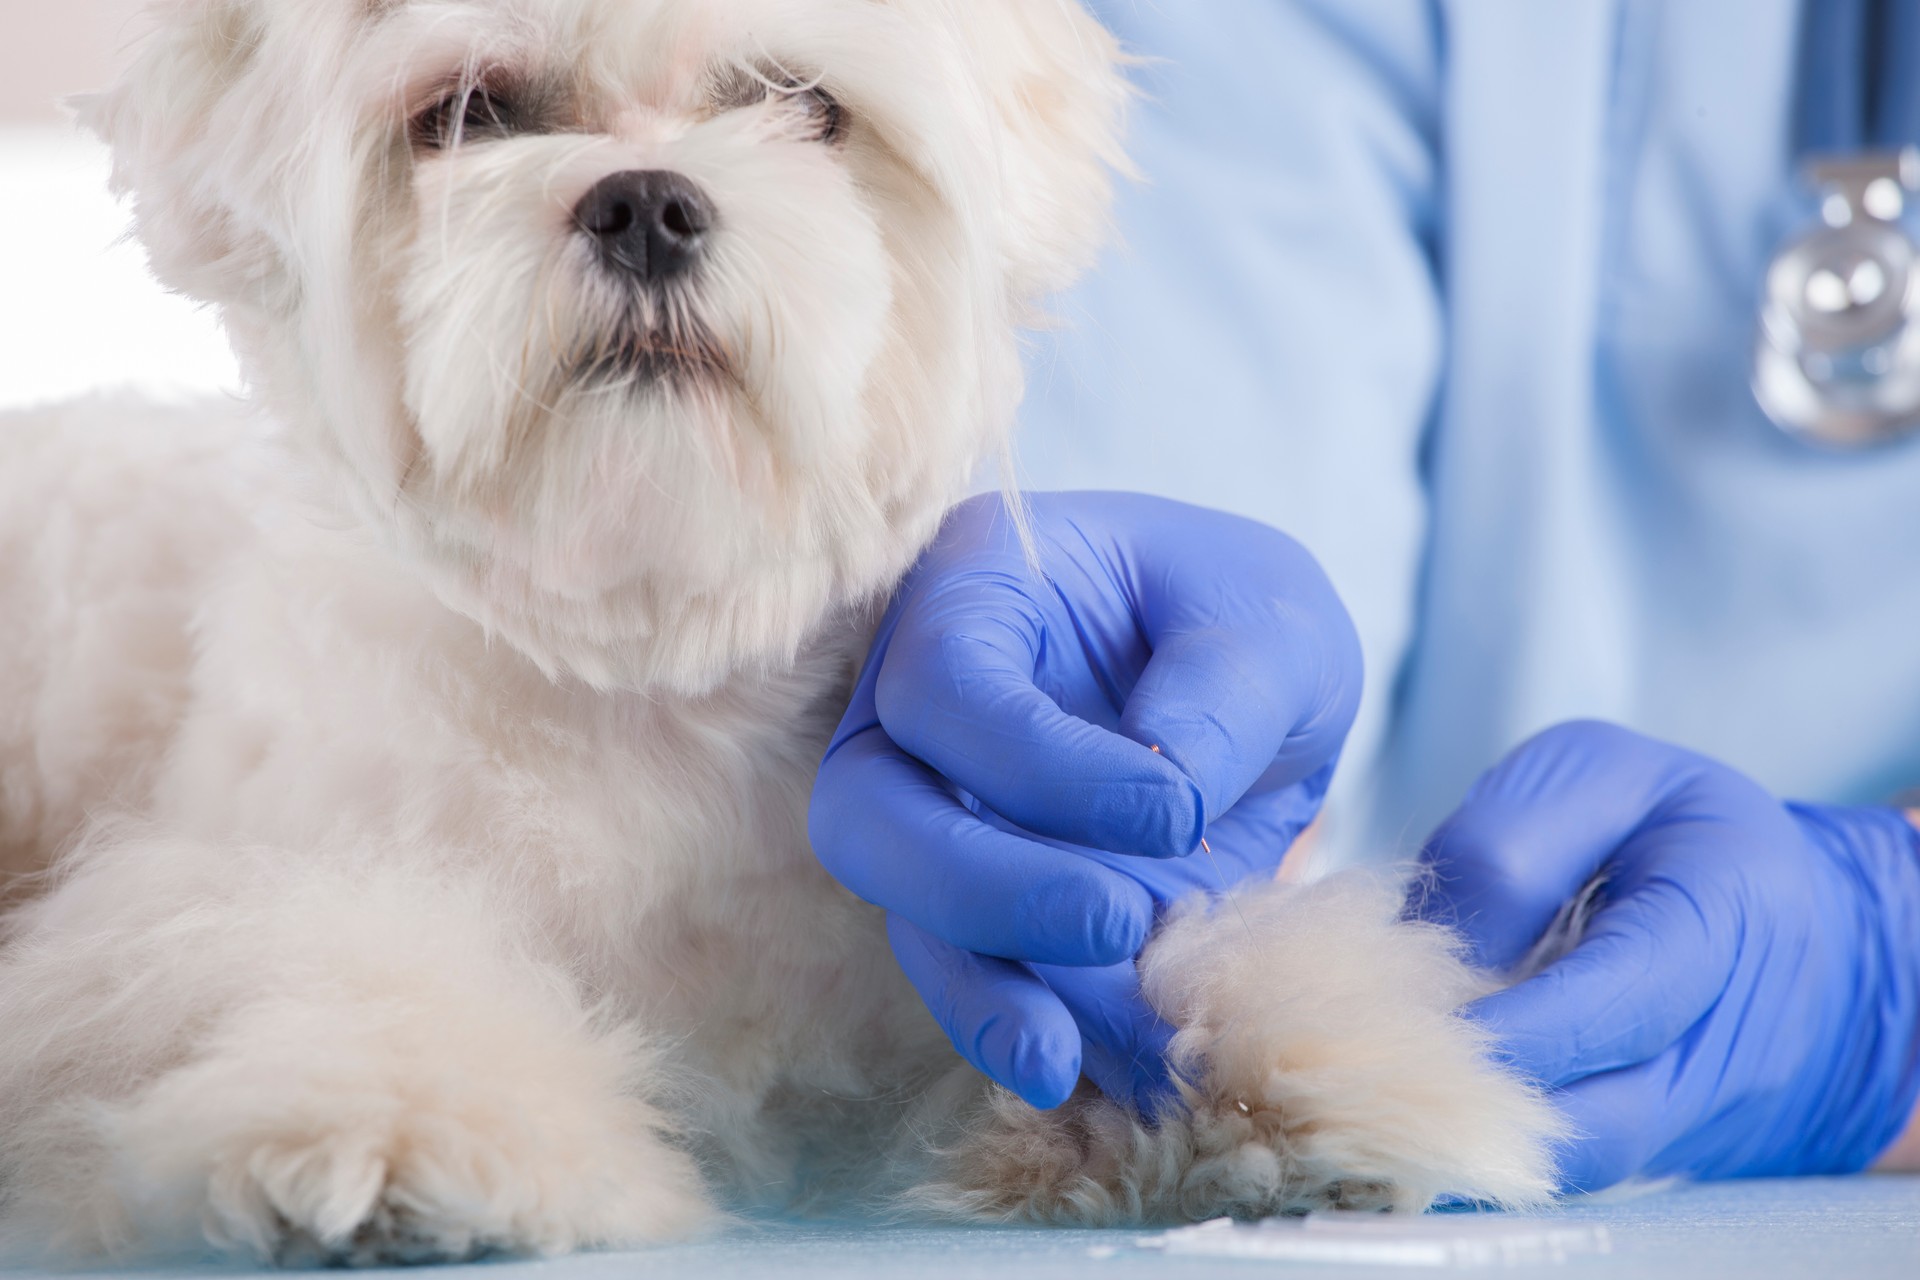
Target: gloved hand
995	786
1746	999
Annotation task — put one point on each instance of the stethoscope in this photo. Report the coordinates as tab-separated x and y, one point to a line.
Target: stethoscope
1837	361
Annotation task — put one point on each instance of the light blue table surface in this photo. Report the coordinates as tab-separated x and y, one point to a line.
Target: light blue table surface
1843	1229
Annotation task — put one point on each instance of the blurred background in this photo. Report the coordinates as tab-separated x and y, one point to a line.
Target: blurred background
50	48
78	310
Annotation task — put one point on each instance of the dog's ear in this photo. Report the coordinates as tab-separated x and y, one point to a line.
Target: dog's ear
172	127
1058	85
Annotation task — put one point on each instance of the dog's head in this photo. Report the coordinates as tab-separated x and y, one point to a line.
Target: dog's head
651	331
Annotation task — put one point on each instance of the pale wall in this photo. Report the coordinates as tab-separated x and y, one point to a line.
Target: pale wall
51	48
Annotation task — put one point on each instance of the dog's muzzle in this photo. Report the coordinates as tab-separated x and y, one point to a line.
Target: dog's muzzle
649	224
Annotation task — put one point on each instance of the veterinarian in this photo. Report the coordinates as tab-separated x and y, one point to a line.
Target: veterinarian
1543	326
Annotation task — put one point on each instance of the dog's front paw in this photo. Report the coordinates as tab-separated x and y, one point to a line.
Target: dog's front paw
442	1188
393	1145
1092	1163
1326	1066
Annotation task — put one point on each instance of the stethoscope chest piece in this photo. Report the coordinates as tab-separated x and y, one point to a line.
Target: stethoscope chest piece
1837	361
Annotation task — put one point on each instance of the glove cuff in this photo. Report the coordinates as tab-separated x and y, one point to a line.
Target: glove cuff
1879	850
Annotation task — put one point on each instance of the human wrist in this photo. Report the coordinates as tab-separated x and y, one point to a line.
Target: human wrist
1876	1097
1904	1155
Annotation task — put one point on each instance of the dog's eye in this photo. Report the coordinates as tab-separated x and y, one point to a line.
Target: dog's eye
829	115
466	114
748	88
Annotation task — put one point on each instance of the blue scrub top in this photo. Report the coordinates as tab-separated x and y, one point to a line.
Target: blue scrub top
1462	294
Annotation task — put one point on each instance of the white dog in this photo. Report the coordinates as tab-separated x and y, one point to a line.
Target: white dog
430	742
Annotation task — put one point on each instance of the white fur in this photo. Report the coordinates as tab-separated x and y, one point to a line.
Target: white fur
1320	1065
431	749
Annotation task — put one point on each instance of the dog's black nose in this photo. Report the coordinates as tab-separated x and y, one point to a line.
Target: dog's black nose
648	222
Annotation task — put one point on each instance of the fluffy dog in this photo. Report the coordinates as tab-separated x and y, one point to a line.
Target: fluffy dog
430	739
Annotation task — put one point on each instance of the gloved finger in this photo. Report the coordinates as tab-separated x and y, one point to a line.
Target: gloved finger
957	689
1535	829
1261	699
1248	844
1646	972
1617	1124
1000	1015
892	832
1123	1041
1256	667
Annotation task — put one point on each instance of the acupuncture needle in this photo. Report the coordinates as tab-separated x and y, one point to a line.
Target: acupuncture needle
1226	890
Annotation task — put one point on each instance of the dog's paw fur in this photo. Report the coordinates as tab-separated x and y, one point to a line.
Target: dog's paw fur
364	1164
1323	1064
381	1111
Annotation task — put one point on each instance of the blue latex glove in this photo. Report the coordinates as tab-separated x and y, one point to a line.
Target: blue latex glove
1745	1001
994	786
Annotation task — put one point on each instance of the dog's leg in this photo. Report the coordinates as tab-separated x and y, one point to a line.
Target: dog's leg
114	518
314	1057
